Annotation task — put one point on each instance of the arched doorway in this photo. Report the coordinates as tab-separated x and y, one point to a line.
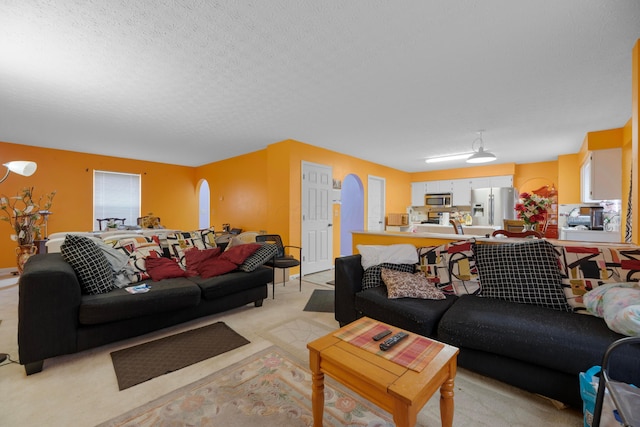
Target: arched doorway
204	205
351	211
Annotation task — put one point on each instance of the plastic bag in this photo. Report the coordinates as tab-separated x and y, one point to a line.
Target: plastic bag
588	390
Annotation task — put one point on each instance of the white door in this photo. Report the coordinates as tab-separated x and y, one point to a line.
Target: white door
375	203
317	231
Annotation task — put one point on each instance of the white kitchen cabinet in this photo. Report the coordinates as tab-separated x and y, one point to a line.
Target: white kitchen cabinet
501	181
461	189
442	186
418	190
601	176
480	183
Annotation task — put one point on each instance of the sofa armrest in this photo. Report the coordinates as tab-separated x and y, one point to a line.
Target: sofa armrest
48	308
348	282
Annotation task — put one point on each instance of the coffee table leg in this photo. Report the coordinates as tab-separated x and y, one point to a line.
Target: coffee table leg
446	397
317	389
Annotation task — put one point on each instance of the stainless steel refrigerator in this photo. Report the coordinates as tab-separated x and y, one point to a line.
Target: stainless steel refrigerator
489	206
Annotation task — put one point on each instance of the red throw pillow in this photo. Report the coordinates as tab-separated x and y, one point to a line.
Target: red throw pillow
194	257
237	254
163	268
215	267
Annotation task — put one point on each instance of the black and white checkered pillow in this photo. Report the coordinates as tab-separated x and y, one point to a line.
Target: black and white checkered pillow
90	264
372	276
525	272
259	257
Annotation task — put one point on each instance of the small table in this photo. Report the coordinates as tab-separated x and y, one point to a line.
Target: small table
396	389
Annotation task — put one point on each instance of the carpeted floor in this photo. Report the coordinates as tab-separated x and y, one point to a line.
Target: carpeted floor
321	300
266	389
143	362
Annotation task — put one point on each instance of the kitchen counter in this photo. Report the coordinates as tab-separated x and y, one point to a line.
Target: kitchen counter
570	233
469	230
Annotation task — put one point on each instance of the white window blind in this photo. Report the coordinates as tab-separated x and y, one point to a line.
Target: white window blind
116	195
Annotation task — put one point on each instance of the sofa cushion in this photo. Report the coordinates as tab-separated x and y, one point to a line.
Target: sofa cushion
138	249
416	315
451	267
584	268
194	257
408	285
215	266
403	253
164	296
524	272
372	275
181	241
235	281
89	263
239	253
266	252
160	268
563	341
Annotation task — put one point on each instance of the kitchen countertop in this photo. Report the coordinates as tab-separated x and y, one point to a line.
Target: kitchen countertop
469	230
570	233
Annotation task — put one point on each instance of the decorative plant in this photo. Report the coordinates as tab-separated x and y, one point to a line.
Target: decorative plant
532	208
22	211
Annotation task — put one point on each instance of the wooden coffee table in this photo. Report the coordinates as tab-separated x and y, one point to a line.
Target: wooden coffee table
396	389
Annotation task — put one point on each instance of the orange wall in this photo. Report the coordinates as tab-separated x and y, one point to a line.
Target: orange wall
568	179
167	190
238	189
531	176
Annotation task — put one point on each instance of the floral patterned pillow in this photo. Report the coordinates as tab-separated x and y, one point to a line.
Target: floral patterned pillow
407	285
139	248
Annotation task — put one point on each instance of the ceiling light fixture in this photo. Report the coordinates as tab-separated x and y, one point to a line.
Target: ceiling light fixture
20	167
480	156
447	158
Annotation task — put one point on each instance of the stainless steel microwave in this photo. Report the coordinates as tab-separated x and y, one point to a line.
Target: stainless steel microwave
442	200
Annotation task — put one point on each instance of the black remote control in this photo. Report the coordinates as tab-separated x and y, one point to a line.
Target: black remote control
393	341
381	335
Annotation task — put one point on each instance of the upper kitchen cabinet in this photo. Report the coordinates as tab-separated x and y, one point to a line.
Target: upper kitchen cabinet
418	190
601	176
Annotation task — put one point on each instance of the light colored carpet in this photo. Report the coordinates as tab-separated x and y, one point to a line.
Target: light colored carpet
266	389
82	390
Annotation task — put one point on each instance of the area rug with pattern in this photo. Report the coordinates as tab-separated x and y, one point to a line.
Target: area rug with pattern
145	361
266	389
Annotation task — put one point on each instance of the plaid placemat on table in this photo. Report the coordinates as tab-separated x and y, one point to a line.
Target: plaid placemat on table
414	352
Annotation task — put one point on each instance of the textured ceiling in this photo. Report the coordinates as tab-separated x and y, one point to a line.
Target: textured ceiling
392	82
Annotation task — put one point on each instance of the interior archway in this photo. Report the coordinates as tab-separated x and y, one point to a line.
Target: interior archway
351	212
204	205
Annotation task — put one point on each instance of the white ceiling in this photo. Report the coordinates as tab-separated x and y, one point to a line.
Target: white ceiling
392	82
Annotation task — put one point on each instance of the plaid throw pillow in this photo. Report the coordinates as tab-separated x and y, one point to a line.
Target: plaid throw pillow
259	257
90	264
372	276
525	272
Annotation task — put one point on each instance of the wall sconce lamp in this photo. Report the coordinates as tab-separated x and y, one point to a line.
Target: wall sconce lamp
20	167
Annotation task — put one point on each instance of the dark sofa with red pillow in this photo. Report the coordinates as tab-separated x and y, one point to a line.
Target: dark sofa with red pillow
56	317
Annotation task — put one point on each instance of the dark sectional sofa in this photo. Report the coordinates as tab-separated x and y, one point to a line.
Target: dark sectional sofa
55	318
535	348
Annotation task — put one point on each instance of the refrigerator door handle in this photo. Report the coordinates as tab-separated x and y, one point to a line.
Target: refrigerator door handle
491	209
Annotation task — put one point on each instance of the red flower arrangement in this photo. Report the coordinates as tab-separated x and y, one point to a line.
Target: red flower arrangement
532	208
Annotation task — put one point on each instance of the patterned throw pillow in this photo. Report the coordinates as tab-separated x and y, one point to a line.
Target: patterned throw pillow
265	253
181	241
238	254
372	276
90	264
451	267
407	285
138	248
584	268
525	272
